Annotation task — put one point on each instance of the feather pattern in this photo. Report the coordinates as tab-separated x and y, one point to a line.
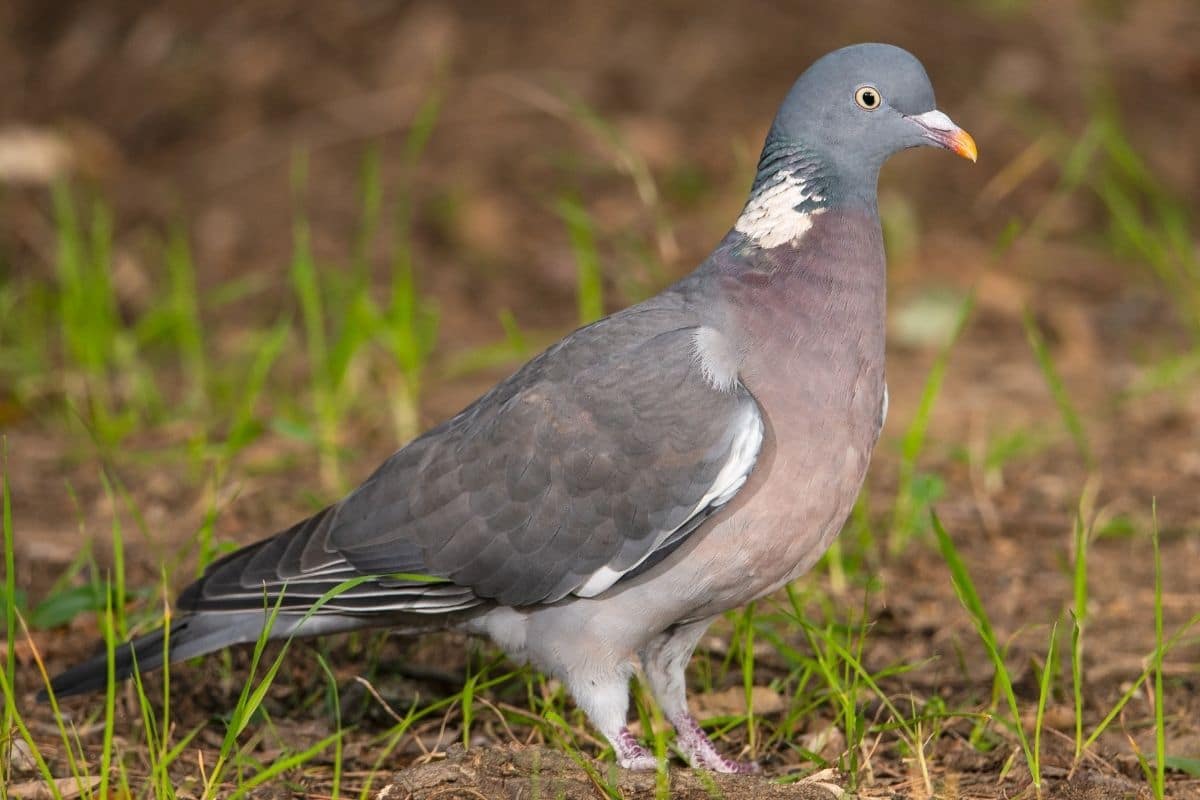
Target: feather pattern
577	470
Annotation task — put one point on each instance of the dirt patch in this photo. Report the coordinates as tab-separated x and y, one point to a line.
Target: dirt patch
524	772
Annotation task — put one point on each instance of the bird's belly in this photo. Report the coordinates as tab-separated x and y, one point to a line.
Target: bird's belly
800	509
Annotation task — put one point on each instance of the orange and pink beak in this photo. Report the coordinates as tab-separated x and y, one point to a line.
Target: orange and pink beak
942	131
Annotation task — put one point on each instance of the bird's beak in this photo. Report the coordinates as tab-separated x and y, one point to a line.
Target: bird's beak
941	130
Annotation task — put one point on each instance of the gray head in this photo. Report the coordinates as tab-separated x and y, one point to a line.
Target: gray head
857	106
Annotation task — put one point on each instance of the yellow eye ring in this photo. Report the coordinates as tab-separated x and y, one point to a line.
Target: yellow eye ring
868	98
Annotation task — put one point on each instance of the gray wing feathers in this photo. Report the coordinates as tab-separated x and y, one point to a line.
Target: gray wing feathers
567	476
605	450
299	564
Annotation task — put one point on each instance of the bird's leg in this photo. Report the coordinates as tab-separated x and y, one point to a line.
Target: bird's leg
605	700
665	662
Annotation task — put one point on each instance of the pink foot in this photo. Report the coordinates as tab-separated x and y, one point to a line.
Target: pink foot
699	751
632	755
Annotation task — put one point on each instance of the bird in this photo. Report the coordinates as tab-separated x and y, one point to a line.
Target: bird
602	506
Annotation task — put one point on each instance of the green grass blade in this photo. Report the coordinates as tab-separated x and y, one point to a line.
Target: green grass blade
10	604
249	699
1079	618
164	761
1158	784
371	201
337	721
629	162
108	626
118	555
467	701
1058	390
1043	694
243	424
904	514
746	647
589	291
1136	685
187	327
282	765
7	691
422	128
964	588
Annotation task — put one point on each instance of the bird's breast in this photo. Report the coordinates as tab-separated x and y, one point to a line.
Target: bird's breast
812	345
823	426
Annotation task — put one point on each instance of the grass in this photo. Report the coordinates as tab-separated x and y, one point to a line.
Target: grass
339	335
10	611
1031	745
589	278
915	492
1079	614
75	347
1146	222
1156	774
106	386
964	587
1045	361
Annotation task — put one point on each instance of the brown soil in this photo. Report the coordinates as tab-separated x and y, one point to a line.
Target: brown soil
519	772
191	110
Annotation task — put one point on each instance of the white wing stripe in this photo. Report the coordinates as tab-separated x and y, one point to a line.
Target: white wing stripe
737	468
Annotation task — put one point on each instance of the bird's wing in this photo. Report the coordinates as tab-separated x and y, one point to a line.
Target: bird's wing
594	458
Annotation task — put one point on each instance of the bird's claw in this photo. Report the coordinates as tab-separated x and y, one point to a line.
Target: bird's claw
631	755
643	762
700	752
721	764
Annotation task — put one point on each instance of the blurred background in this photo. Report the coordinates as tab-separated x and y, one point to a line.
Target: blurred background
247	249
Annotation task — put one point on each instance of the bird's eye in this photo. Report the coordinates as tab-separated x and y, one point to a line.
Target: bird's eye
868	98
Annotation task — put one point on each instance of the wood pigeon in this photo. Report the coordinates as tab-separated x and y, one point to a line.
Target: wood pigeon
680	458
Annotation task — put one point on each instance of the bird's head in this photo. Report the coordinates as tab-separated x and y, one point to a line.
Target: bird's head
859	105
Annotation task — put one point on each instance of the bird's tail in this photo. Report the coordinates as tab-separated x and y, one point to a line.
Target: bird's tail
190	636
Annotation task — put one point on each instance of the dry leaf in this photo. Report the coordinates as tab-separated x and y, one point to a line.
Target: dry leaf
732	701
67	788
824	779
829	742
21	757
33	156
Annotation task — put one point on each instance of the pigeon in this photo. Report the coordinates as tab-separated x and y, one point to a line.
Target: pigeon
601	507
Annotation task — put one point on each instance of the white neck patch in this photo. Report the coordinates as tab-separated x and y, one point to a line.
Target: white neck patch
770	218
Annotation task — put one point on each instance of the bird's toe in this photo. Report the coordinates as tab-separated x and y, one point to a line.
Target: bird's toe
699	751
730	766
631	755
706	757
639	763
